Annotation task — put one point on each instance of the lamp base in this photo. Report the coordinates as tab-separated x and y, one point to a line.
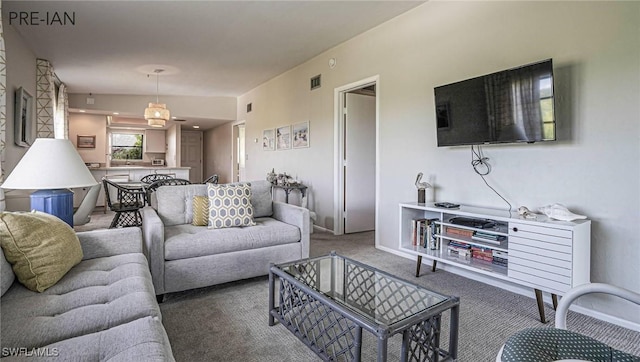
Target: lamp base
57	202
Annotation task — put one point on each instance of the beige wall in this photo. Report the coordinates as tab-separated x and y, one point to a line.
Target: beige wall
89	125
593	169
21	72
217	152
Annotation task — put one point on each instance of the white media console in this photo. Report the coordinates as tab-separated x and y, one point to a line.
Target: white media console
544	254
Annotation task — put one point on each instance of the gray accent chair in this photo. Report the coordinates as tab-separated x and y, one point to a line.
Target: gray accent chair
183	256
103	309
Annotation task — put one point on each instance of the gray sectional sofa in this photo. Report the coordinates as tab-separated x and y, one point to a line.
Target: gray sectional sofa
183	256
103	309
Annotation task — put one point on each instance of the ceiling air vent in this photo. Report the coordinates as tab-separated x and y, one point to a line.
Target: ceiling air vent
249	107
315	82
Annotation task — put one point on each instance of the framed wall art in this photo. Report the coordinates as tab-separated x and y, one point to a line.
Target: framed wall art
283	138
86	141
300	135
23	118
268	140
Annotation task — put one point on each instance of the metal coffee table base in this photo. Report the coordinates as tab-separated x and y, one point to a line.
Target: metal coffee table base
333	330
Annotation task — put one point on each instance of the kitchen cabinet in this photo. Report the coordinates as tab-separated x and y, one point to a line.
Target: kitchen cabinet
155	141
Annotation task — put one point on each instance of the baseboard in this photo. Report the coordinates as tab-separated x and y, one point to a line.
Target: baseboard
320	228
518	289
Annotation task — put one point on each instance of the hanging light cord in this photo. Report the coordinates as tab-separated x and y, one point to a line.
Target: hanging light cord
478	159
157	71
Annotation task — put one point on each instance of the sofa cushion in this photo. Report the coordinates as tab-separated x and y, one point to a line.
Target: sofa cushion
230	205
93	296
261	198
200	211
188	241
143	339
40	247
175	203
6	274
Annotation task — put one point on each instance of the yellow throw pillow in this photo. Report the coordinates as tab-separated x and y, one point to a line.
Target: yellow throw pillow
40	247
200	211
230	205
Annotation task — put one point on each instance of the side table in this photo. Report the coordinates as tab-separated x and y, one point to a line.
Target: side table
287	189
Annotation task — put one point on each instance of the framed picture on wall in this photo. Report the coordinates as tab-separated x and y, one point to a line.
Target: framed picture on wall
268	140
300	135
283	138
86	141
23	118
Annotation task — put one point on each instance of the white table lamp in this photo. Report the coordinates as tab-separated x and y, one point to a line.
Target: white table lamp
51	166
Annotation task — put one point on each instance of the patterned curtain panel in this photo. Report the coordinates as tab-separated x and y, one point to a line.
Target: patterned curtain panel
3	109
45	99
61	119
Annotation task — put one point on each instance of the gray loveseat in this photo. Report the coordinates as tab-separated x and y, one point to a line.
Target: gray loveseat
103	309
183	256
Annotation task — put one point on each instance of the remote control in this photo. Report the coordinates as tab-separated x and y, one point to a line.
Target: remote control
447	205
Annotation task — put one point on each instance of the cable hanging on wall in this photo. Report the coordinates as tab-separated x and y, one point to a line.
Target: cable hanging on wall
479	160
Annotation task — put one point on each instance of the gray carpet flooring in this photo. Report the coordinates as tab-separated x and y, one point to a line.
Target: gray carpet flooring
229	322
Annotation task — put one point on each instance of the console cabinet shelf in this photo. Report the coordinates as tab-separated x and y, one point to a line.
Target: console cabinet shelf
544	254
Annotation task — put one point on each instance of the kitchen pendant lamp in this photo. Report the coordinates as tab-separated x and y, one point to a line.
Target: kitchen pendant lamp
157	113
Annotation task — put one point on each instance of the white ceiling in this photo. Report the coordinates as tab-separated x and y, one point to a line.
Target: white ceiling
209	48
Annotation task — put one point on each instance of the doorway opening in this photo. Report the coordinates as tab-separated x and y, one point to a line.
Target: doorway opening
238	152
356	164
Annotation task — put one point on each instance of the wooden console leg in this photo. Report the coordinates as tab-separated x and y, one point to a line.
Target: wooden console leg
554	298
540	305
418	265
433	266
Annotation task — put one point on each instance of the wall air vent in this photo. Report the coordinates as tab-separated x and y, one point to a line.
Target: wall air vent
315	82
249	107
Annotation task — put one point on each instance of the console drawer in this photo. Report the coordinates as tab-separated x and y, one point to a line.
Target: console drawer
556	237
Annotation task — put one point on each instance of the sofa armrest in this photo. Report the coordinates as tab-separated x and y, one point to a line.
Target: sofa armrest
103	243
297	216
153	239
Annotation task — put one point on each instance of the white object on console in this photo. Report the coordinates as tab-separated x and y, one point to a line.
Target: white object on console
560	212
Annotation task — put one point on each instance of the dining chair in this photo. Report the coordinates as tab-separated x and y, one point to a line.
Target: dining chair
126	205
213	179
151	178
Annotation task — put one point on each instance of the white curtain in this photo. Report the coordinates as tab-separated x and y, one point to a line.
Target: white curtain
61	115
3	109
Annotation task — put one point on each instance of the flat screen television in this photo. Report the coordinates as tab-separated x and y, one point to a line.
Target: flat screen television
514	105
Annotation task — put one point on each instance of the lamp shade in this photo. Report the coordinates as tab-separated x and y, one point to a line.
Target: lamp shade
157	114
50	164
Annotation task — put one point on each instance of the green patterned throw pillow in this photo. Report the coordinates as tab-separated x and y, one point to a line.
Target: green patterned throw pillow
230	205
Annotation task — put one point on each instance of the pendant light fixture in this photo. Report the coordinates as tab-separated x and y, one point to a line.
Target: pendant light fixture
157	113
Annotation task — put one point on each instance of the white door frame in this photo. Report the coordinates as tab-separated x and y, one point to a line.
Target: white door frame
338	141
233	149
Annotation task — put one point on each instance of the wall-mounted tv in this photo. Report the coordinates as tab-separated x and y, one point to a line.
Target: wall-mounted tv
514	105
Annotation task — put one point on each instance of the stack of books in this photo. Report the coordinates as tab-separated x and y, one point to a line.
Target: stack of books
462	250
480	253
424	233
458	231
500	258
488	238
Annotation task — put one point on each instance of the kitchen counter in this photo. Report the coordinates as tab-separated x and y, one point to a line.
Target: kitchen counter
133	173
132	167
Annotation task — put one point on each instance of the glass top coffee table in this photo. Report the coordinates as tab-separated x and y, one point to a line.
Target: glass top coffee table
327	301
